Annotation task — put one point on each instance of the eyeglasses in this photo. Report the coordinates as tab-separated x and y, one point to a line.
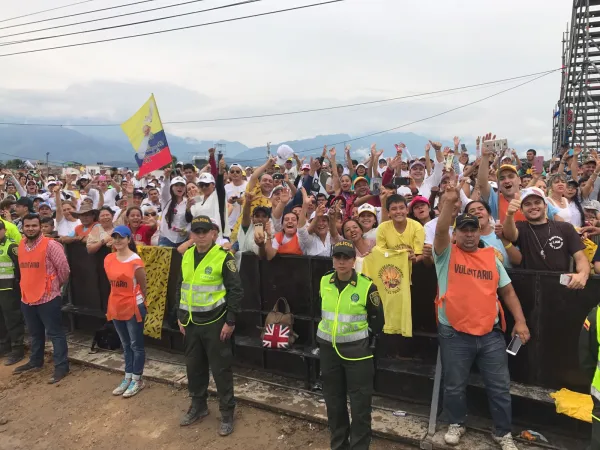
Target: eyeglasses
235	171
150	214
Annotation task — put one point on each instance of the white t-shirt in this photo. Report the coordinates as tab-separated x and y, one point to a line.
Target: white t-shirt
66	227
231	190
430	231
285	240
109	197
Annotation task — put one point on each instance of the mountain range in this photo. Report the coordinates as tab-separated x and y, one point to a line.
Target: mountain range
110	146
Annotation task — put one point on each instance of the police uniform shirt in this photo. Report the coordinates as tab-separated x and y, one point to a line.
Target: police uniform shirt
233	288
375	319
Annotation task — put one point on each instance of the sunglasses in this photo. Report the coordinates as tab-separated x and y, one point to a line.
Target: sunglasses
150	214
203	185
235	171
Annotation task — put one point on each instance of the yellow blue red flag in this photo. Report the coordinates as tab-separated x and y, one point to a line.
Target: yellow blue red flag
145	132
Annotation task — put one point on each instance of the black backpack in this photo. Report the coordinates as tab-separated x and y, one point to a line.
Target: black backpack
106	338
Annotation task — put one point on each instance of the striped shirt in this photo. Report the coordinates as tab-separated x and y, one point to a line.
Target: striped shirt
56	264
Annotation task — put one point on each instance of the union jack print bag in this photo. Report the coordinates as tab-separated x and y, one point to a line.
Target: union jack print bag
279	327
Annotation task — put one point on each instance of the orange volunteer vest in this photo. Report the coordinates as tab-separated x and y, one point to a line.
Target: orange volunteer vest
503	207
122	302
79	231
292	247
471	303
32	265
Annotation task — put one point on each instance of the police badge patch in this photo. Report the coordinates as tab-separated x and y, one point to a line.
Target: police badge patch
15	251
354	297
231	265
375	299
208	270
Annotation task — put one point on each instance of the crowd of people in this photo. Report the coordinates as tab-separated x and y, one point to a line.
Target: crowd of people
469	215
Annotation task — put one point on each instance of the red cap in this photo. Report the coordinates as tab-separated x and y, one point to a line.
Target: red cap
415	200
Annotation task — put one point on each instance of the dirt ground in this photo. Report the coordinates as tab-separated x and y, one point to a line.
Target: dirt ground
80	413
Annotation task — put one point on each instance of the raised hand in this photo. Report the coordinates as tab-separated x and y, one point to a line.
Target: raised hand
446	151
285	196
451	195
427	147
347	148
167	172
514	206
320	210
150	221
332	153
577	150
249	196
437	146
456	141
211	151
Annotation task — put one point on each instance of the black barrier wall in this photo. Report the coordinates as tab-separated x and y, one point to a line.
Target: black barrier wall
554	315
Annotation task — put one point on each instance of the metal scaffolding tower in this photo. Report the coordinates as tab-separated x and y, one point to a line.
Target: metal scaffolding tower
576	118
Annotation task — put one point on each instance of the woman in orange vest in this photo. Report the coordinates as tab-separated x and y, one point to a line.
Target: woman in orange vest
283	243
126	307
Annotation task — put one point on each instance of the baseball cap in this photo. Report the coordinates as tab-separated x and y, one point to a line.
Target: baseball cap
417	199
277	188
344	247
278	176
122	231
235	165
85	176
591	204
25	201
201	223
289	160
366	208
590	160
465	220
361	165
360	179
305	166
532	191
418	162
507	167
138	193
178	180
44	204
206	178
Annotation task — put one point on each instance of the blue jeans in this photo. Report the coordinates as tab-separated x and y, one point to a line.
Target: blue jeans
459	351
164	242
131	333
46	319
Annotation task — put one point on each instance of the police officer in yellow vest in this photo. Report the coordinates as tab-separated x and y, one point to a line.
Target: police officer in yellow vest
589	360
351	315
12	329
211	294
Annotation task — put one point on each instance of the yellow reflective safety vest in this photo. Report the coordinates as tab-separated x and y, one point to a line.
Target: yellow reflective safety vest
344	314
595	391
202	289
7	267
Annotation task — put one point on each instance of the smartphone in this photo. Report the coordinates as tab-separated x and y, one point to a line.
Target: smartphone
565	279
398	149
538	163
401	181
449	160
514	346
259	231
463	148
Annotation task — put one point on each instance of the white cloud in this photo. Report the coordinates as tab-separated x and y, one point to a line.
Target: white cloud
352	51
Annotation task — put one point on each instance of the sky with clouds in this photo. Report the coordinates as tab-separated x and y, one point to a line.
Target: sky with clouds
347	52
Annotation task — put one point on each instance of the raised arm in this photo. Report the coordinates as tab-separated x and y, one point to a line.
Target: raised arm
165	190
332	213
441	241
509	228
374	152
58	201
312	226
428	166
483	174
349	163
258	172
247	209
285	197
337	187
302	218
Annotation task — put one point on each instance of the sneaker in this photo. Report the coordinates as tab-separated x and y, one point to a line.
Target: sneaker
134	387
26	367
506	442
122	387
226	426
195	412
454	433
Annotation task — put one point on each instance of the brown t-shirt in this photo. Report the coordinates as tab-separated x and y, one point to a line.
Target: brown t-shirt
559	245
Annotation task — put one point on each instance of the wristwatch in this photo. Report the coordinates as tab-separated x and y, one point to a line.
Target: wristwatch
231	323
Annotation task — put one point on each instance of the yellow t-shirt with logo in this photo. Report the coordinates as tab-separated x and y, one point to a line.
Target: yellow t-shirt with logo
412	238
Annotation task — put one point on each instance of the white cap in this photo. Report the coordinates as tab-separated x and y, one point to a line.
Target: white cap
206	178
85	176
178	180
367	208
404	190
532	191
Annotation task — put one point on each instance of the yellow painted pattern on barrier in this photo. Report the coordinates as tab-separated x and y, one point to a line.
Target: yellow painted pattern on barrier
157	261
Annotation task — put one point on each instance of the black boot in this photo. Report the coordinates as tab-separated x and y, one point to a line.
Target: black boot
226	426
14	357
26	367
197	410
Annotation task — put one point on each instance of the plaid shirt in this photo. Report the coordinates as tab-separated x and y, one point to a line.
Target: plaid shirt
56	264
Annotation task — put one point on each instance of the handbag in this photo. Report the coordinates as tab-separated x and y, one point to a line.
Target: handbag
279	327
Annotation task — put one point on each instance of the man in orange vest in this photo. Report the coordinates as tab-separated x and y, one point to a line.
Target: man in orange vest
471	321
44	269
